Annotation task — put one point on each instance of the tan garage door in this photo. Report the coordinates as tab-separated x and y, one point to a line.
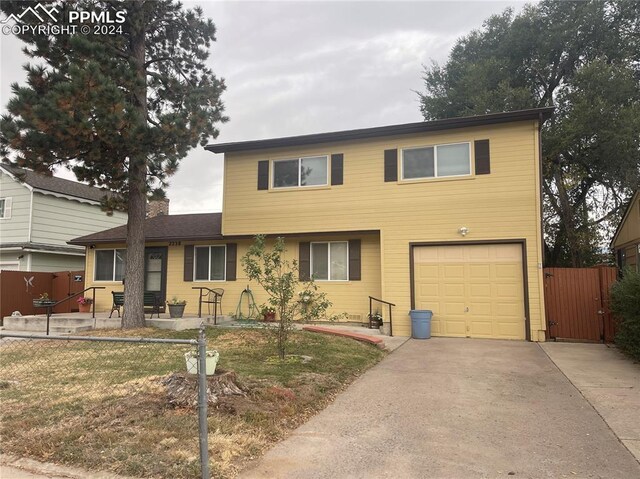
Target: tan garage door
474	291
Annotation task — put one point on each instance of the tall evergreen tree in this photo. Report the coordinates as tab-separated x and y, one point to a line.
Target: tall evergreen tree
583	57
118	106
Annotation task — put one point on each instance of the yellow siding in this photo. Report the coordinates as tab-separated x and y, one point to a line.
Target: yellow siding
346	296
502	205
630	229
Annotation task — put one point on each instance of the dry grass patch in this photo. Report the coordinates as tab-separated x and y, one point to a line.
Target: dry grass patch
106	406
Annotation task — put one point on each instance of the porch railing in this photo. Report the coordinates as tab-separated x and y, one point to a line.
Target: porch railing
93	304
390	305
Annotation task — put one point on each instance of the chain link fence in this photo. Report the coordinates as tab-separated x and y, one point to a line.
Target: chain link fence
103	400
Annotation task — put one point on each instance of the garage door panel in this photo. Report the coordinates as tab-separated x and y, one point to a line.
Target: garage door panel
453	327
428	272
482	328
511	290
480	309
473	290
479	271
508	271
480	291
453	290
503	309
453	271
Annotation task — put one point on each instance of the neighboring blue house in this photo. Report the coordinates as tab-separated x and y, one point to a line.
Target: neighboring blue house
39	214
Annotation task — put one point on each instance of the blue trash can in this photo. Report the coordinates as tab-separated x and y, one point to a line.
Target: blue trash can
420	323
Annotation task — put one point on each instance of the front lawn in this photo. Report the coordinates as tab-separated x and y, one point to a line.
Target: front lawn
105	406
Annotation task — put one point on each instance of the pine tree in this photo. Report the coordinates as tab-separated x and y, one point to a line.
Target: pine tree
120	110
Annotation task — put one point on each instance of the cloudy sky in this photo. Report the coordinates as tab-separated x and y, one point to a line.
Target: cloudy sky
295	68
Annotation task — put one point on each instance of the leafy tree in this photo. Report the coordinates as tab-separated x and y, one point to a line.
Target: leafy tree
120	110
279	278
584	57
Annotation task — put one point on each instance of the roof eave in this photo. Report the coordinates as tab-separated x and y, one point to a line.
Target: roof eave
392	130
88	242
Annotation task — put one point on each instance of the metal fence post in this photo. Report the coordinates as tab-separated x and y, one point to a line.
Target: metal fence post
202	403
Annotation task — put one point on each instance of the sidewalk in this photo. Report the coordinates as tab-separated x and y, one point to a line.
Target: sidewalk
607	379
12	467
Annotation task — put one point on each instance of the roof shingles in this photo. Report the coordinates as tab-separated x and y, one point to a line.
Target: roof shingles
163	228
55	184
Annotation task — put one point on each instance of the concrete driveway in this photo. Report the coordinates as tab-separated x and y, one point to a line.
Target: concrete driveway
455	408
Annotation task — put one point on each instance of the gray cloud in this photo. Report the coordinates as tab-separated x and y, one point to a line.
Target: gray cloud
306	67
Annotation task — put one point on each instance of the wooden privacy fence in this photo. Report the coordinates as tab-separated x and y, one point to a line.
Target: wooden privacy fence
18	289
577	303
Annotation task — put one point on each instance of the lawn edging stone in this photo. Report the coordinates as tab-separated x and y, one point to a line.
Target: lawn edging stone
379	342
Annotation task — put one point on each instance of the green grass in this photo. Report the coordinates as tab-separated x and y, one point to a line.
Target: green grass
103	406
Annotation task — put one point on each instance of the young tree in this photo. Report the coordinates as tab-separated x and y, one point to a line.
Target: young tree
279	278
120	104
584	57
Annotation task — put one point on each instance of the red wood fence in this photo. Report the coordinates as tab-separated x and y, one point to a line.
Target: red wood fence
18	289
577	303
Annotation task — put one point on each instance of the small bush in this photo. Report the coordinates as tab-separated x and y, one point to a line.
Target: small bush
625	304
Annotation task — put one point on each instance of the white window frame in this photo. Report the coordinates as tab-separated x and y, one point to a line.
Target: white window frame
435	161
328	243
195	263
299	160
113	269
5	211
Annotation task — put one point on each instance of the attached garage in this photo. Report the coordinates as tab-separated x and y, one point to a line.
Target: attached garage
474	290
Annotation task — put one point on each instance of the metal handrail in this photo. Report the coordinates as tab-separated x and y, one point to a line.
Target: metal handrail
371	300
93	303
215	302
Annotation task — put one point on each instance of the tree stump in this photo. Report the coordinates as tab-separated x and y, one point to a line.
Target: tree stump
182	389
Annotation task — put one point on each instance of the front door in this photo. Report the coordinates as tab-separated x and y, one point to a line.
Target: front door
155	273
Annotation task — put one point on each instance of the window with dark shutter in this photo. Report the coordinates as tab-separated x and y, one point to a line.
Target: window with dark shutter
390	165
483	161
263	175
337	161
232	249
188	263
304	261
354	260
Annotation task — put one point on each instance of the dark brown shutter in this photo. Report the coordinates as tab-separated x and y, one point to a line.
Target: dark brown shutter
188	262
483	161
263	175
354	260
304	261
390	165
232	249
337	162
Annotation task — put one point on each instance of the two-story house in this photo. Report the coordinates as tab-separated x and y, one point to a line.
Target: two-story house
442	215
39	214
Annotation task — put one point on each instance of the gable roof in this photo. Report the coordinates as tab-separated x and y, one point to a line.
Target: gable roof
403	129
634	197
53	184
163	228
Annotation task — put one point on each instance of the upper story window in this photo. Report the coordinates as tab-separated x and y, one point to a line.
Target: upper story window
307	171
330	260
210	263
5	208
109	264
436	161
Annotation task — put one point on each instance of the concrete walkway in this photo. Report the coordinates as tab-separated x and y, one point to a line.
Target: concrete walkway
453	408
12	467
608	380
